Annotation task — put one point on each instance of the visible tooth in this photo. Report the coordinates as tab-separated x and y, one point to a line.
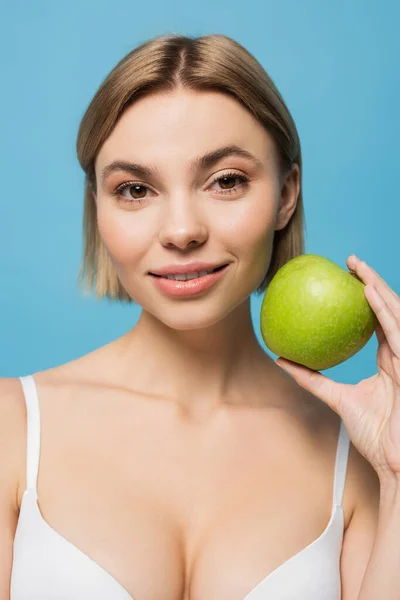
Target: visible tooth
184	276
181	277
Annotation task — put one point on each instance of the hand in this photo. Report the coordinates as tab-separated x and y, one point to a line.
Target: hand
370	410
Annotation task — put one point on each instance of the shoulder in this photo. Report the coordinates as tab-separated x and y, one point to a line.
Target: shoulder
10	387
364	482
361	486
12	433
12	408
359	536
364	485
13	423
86	369
360	497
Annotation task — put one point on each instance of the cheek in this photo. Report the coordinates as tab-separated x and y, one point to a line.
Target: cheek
249	233
124	235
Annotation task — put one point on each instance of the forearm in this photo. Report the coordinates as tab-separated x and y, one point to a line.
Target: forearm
382	576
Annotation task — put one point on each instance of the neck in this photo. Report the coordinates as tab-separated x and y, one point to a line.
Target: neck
201	368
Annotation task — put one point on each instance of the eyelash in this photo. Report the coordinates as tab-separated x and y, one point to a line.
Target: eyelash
230	175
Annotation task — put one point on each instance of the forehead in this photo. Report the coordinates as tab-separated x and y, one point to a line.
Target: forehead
183	124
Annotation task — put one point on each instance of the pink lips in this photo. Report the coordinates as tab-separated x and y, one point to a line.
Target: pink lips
190	287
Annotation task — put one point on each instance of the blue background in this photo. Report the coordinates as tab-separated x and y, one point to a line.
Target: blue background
336	65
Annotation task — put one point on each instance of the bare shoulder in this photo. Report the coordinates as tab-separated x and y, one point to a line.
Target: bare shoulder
12	410
10	387
86	369
12	433
364	481
360	506
362	486
359	536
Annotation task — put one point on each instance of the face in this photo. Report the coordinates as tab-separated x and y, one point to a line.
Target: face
179	210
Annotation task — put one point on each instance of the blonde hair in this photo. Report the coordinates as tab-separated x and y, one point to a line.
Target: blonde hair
164	63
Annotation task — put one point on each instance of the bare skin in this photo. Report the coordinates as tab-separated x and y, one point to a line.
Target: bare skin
179	507
180	457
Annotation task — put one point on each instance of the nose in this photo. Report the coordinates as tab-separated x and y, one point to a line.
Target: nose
182	223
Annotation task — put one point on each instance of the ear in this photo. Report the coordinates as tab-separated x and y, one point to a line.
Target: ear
290	191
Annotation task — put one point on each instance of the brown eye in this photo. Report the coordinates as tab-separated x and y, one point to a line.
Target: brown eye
139	191
227	184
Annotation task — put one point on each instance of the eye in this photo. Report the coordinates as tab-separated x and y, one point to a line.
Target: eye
131	185
227	179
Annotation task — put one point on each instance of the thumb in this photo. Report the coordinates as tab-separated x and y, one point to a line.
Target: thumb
321	386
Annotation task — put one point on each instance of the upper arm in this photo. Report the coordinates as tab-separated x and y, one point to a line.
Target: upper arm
11	454
359	536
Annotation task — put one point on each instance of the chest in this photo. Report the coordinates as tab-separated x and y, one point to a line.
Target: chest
185	512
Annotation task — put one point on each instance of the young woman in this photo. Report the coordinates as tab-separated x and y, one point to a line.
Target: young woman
179	461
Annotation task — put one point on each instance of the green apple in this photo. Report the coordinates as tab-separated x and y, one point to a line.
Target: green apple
315	313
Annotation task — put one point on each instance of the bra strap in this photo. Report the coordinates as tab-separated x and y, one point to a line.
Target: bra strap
342	453
33	431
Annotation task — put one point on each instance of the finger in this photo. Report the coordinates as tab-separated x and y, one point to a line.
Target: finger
380	334
387	320
321	386
369	276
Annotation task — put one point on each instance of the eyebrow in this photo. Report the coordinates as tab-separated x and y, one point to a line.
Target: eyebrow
201	163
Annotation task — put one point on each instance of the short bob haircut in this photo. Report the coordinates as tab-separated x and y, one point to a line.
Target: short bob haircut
164	63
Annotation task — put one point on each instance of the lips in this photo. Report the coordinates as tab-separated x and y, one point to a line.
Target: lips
196	286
